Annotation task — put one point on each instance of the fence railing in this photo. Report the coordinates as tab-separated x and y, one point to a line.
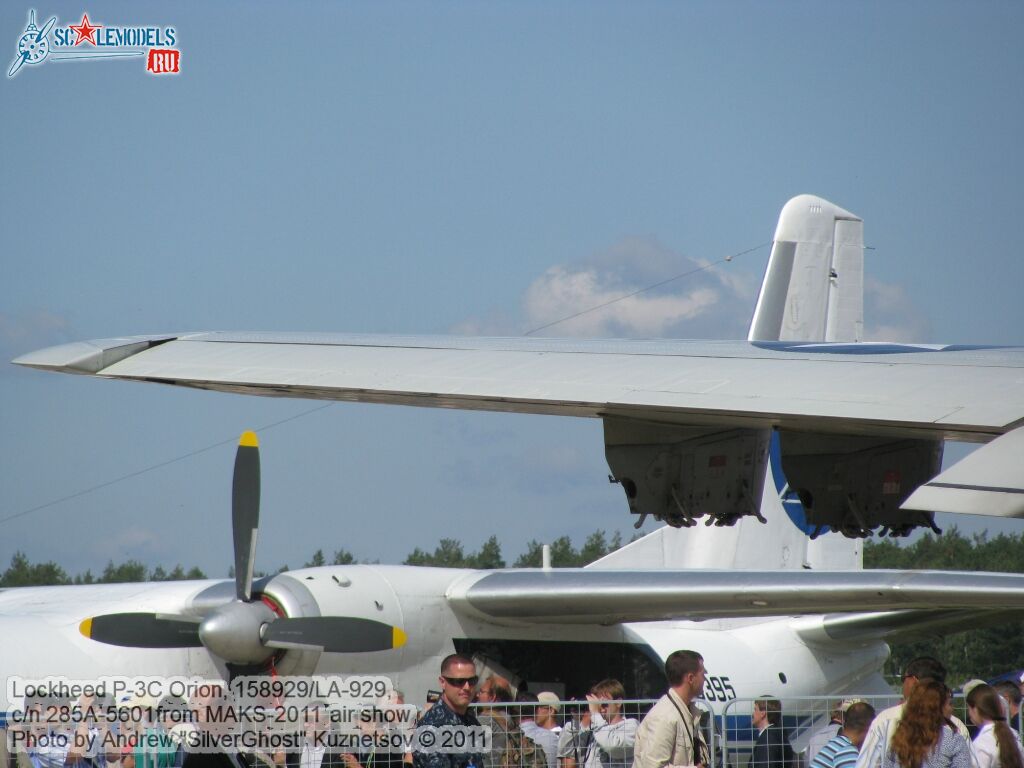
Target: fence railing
727	728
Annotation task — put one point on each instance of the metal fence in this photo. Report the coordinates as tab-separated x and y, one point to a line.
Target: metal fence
727	727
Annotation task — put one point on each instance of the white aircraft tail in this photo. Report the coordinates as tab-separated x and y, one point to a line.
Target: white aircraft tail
813	290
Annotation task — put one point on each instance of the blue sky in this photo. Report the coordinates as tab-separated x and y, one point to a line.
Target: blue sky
458	167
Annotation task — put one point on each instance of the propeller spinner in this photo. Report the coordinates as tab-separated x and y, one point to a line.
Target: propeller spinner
246	630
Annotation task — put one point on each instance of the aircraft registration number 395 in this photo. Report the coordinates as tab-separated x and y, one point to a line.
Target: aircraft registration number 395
718	689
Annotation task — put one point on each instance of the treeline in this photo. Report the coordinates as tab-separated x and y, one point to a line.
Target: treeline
989	647
449	553
22	573
986	649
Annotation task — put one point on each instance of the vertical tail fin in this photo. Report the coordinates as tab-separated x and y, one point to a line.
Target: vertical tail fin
813	290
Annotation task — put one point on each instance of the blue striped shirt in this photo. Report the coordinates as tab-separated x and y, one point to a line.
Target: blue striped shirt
839	752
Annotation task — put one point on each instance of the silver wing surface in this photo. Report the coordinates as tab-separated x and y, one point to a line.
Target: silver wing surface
965	392
860	425
589	595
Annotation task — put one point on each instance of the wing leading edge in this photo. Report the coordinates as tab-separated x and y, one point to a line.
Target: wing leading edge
592	596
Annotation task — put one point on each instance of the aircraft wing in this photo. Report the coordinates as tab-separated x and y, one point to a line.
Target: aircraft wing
969	392
589	595
860	425
904	626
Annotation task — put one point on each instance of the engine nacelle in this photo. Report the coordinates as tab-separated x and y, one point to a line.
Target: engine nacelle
679	474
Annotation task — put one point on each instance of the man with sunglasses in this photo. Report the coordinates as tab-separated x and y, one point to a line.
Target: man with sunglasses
876	743
458	686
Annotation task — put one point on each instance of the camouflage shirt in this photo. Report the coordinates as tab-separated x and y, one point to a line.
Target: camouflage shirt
440	715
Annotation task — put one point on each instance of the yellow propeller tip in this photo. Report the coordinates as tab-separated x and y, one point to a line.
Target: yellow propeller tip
398	638
249	440
86	627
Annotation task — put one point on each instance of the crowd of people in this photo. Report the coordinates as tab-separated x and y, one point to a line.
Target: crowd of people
919	732
538	730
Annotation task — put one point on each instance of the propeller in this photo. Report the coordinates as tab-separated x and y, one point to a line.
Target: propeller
246	630
245	512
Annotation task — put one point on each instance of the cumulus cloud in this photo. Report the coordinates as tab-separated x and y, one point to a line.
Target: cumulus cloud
26	331
890	315
605	296
561	292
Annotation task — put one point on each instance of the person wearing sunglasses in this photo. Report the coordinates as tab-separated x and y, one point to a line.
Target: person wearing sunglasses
923	669
458	682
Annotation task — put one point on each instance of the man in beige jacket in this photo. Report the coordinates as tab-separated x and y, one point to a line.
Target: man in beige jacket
670	733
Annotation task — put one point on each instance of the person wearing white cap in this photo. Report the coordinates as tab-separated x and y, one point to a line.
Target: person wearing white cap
827	732
539	725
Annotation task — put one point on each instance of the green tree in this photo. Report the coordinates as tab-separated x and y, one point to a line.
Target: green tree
447	554
317	560
129	571
594	548
995	642
489	555
532	557
22	573
343	557
564	555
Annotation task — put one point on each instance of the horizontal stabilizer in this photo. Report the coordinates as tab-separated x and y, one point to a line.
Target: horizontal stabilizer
990	481
605	597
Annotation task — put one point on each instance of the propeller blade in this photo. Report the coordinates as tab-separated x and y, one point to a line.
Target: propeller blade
16	64
142	630
334	634
245	512
46	29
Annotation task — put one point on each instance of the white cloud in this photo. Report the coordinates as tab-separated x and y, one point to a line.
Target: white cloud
608	295
561	292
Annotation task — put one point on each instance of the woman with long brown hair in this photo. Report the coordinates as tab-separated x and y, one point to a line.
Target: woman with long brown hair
995	745
924	738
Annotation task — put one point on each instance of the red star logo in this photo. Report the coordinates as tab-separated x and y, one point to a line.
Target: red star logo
86	32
